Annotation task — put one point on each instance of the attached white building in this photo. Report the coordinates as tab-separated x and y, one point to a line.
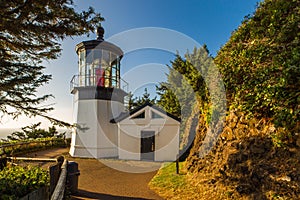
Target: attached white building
148	133
103	129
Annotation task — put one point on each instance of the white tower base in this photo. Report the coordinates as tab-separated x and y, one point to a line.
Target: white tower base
94	135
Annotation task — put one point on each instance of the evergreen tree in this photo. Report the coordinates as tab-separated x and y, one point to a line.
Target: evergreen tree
30	32
33	132
168	100
187	82
130	101
145	99
133	102
194	87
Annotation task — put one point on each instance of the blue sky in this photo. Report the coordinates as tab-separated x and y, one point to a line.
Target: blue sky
206	22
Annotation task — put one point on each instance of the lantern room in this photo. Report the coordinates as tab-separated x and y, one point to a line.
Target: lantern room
99	63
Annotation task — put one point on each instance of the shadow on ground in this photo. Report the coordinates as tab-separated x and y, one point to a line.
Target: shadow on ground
82	194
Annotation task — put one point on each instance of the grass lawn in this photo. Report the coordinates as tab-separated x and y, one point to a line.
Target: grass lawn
170	185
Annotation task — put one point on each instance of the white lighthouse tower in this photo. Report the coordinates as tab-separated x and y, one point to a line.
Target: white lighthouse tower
98	98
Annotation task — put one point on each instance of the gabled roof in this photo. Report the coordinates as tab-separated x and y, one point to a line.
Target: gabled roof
124	115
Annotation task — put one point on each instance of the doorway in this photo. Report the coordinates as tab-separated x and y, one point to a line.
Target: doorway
147	145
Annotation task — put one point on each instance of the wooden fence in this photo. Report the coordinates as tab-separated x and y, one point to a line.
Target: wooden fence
41	193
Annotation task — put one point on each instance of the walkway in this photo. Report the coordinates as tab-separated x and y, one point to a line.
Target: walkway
98	181
101	181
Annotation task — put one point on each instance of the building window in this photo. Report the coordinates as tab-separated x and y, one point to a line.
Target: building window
155	116
139	116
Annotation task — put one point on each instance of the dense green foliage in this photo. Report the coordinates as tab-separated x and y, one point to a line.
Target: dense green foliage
145	98
16	181
194	73
176	95
260	64
192	78
30	33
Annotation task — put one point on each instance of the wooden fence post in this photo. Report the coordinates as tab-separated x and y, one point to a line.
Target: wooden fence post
59	191
177	164
3	161
54	171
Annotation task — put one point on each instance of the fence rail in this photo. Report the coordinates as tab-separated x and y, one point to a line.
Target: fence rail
32	159
12	149
3	145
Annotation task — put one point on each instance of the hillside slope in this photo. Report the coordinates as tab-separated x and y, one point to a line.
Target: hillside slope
257	155
245	163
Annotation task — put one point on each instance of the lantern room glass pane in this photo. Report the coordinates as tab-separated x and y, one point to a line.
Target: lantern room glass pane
81	58
113	58
105	57
81	80
97	57
89	56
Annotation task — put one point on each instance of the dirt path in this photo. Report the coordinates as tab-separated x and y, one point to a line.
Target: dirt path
48	153
98	181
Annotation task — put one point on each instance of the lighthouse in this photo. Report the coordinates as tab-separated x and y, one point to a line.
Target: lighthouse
98	97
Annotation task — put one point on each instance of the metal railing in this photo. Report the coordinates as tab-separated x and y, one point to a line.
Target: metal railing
88	80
